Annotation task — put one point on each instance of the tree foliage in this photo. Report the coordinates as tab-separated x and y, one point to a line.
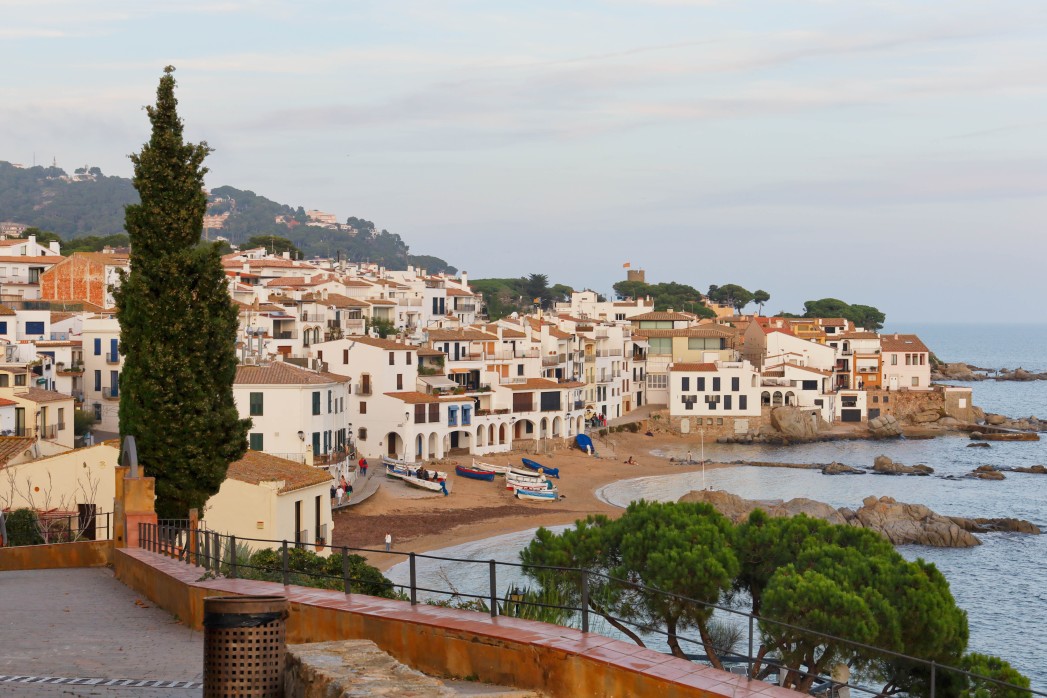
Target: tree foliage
861	315
679	548
177	323
517	295
679	297
830	580
760	297
274	244
731	295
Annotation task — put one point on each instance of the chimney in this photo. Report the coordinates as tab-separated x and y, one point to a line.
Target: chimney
55	247
286	255
32	240
465	279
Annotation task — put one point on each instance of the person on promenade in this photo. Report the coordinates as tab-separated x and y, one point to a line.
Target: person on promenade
339	493
363	466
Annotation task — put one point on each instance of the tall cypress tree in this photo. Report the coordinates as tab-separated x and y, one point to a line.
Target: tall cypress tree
177	323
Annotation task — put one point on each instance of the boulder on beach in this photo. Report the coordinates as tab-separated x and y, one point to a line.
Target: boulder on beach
885	426
738	509
794	422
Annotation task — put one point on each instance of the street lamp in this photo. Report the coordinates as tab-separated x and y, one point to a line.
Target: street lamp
701	431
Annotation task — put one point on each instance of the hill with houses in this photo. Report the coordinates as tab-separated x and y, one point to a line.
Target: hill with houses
86	202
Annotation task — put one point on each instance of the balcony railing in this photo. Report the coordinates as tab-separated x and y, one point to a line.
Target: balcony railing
285	334
111	393
466	308
554	359
111	358
49	432
361	389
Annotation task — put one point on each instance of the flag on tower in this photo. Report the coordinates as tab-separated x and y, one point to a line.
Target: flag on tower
626	265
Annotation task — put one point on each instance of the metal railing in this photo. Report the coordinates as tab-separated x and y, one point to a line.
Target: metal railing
49	432
112	358
111	393
52	528
222	554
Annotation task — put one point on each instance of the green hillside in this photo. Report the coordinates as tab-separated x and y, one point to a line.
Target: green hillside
43	198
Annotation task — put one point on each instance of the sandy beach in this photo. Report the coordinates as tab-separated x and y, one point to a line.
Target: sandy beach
419	522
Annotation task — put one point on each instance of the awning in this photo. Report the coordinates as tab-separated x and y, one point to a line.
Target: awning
439	382
464	370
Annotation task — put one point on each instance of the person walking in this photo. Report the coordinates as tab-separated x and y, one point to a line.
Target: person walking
363	466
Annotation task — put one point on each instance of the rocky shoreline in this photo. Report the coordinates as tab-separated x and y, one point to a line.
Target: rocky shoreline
970	372
883	465
898	522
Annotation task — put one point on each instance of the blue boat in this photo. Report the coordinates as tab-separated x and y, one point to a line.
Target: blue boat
474	473
585	443
535	465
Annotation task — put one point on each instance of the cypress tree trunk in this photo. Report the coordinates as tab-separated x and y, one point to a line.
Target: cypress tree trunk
177	323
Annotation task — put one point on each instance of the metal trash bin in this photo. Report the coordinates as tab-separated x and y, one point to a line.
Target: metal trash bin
244	645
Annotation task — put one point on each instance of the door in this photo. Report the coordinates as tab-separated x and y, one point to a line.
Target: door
894	383
86	521
851	415
20	421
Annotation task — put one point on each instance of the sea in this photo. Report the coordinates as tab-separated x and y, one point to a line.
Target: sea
1002	584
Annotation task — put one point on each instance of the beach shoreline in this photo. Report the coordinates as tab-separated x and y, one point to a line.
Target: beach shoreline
476	509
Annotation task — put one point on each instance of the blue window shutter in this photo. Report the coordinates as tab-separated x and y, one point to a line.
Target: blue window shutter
98	346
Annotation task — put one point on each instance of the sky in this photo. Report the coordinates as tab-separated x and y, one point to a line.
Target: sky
889	153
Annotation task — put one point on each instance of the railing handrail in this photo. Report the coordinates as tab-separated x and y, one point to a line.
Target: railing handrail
150	534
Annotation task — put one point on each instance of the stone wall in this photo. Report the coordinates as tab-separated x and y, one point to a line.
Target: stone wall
93	553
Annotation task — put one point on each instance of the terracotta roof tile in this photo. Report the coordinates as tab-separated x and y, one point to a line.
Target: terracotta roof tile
466	334
256	467
705	331
281	373
11	446
40	395
902	342
692	367
542	384
661	315
412	397
390	344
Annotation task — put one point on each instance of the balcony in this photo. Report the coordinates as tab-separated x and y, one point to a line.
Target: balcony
49	432
78	395
554	360
465	308
364	390
410	302
111	358
111	393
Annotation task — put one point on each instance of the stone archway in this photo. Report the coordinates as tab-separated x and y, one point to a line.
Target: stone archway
776	399
480	432
501	434
790	398
419	450
434	441
557	426
765	398
394	446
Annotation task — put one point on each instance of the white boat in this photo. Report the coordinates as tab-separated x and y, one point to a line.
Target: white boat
532	487
534	483
410	469
497	469
530	495
439	486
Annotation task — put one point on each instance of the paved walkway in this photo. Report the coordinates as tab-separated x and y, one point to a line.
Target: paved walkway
83	623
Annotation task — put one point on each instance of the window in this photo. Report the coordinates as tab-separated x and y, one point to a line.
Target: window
98	410
466	416
519	369
345	356
330	401
661	345
915	381
392	358
894	359
419	414
399	381
316	402
408	358
743	402
452	416
4	380
719	421
701	384
61	417
735	384
685	384
809	385
3	327
98	380
316	442
98	346
362	434
886	399
712	399
256	442
727	402
657	381
256	405
363	407
716	383
20	379
709	421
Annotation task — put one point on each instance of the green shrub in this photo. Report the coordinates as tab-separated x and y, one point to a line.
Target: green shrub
23	528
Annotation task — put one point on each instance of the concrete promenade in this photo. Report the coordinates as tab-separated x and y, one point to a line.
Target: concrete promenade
83	623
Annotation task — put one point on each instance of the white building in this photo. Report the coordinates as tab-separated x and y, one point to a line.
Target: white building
906	362
720	397
102	365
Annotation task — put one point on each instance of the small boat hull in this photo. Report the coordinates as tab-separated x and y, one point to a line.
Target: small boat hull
544	469
547	496
585	443
429	485
473	473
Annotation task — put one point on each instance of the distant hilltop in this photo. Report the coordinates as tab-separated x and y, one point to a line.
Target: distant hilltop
89	203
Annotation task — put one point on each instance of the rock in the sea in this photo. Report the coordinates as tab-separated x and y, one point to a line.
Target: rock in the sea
738	509
1035	469
886	466
995	419
980	444
841	469
885	426
987	472
925	417
911	524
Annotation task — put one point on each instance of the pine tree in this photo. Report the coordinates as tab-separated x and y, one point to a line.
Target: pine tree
177	323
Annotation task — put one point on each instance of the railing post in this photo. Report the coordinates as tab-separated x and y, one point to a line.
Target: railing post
232	557
283	564
585	601
494	589
141	532
414	579
345	569
750	672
